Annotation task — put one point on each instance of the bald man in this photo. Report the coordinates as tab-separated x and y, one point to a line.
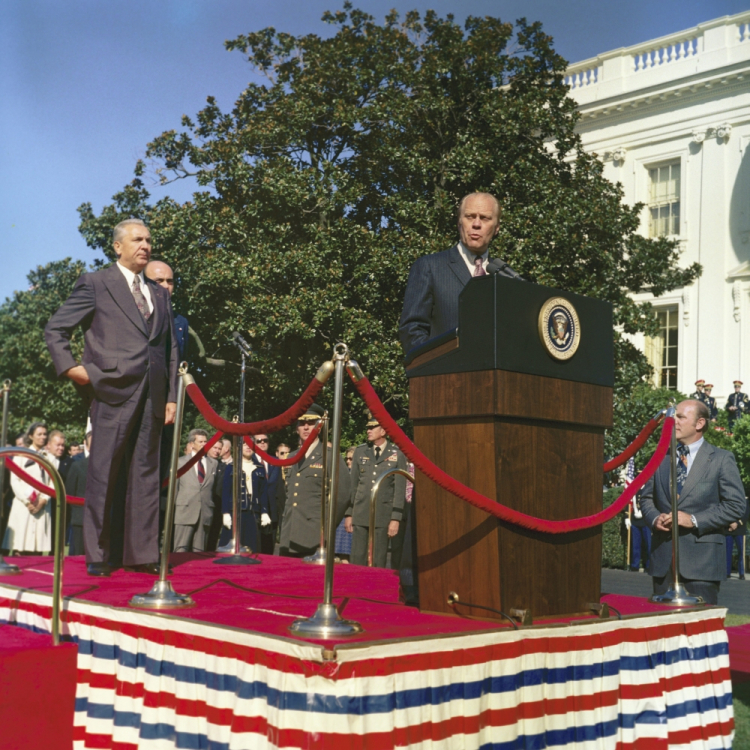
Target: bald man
159	272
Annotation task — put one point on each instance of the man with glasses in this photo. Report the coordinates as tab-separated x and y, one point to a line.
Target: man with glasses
300	524
269	517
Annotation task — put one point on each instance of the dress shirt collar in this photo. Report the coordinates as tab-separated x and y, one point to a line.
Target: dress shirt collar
312	448
468	257
129	276
693	449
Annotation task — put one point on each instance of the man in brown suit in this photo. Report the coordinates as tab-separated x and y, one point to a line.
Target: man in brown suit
128	371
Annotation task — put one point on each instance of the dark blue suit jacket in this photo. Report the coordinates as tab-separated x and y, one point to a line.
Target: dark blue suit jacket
431	299
181	334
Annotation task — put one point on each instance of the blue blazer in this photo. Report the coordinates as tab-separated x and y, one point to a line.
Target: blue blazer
181	329
431	299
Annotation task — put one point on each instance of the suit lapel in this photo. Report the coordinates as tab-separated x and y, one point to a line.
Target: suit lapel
698	469
118	288
159	311
458	266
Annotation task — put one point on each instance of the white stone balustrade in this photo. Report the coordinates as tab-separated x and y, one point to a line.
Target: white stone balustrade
706	47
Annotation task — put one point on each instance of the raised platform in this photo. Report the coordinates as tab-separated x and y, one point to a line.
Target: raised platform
227	675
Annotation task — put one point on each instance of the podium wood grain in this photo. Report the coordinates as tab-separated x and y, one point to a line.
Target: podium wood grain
534	443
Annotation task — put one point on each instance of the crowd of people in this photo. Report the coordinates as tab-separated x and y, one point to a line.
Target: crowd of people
203	518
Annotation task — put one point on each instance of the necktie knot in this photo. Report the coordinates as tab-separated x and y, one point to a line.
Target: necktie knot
479	266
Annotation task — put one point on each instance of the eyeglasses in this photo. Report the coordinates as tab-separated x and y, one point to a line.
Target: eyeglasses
261	440
302	422
283	454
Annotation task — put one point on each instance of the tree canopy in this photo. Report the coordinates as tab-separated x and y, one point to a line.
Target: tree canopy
323	184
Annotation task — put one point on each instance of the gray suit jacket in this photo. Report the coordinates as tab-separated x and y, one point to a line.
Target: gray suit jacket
714	494
119	349
195	500
431	299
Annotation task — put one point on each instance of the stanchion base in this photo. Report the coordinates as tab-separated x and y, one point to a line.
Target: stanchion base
228	549
237	560
6	569
325	623
161	596
317	558
677	597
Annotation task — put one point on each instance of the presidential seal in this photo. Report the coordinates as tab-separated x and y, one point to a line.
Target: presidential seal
559	328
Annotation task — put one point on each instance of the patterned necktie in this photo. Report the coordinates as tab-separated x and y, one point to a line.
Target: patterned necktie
201	471
140	300
478	267
682	463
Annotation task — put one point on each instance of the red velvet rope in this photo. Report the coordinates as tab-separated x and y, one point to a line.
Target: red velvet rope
295	411
492	507
633	448
194	459
14	468
291	460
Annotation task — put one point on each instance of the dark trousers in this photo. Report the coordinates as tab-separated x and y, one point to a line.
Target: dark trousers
360	542
267	537
709	590
739	542
121	514
639	536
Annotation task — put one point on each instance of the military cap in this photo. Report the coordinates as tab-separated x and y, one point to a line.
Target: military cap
708	386
371	421
700	382
738	382
313	412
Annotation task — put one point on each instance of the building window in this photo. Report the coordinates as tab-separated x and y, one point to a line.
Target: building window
661	350
664	200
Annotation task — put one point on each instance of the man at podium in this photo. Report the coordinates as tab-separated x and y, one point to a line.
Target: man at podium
436	280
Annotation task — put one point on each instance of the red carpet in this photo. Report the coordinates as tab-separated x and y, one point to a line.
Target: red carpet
739	653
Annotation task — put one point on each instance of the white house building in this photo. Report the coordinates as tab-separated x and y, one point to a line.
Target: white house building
670	119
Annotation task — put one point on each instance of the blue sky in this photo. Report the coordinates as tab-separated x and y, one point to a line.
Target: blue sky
86	84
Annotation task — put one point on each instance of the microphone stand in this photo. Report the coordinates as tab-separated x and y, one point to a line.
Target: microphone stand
234	546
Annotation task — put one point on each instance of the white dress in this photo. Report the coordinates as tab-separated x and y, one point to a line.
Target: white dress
28	532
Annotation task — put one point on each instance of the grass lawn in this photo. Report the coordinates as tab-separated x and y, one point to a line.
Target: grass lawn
741	698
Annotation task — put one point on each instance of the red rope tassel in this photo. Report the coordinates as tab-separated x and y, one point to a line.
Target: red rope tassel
251	428
291	460
437	475
14	468
633	448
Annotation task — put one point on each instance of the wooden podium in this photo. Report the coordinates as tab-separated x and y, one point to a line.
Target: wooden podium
500	413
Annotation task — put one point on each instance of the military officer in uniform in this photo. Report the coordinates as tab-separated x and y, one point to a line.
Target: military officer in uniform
710	401
699	395
738	404
300	524
371	459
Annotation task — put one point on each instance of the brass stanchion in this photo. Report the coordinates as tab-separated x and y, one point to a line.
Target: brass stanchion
59	540
678	595
162	594
6	569
373	498
235	548
326	622
319	556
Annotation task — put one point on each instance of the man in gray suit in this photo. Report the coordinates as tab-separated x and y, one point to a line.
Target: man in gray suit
435	281
128	371
710	499
194	503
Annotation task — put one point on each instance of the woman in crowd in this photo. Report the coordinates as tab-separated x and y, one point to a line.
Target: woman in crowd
30	521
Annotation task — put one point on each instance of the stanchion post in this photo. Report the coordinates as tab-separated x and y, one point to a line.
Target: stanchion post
162	594
326	622
319	556
677	596
59	540
5	568
373	498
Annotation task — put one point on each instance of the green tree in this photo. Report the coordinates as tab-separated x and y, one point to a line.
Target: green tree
322	186
36	393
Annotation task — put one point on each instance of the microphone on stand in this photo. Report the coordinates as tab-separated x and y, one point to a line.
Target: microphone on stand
244	347
497	266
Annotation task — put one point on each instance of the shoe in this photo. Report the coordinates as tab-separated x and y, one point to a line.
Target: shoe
742	578
152	569
98	569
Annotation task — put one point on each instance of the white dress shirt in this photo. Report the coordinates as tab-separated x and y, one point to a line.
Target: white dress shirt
129	276
468	257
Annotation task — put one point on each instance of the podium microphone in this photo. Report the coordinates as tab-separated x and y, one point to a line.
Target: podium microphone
242	344
497	266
